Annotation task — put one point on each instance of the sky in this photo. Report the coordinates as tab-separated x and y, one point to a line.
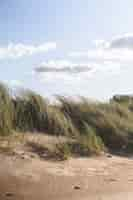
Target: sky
67	47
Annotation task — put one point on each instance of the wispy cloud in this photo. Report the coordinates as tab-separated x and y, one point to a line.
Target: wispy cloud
108	57
20	50
118	52
122	42
64	70
62	66
68	71
118	42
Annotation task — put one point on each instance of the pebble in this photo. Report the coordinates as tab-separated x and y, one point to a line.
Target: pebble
9	194
77	187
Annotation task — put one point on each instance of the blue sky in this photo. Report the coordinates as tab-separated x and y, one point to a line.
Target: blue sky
67	47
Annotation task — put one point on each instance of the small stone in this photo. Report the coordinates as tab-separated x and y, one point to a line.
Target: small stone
109	156
77	187
112	180
9	194
25	156
33	156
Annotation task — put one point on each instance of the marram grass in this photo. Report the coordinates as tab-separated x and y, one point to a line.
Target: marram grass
94	126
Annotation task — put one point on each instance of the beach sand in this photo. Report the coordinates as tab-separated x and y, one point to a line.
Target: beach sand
96	178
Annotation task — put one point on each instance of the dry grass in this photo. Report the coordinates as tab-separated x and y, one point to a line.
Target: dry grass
46	146
42	145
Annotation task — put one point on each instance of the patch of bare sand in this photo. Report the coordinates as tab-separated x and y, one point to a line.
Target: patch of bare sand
98	178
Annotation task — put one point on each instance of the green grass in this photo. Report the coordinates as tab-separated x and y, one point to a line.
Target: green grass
29	112
6	111
95	126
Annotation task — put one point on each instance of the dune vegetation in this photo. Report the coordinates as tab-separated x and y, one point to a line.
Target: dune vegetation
94	127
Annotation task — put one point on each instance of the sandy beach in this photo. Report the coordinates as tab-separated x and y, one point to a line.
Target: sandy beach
97	178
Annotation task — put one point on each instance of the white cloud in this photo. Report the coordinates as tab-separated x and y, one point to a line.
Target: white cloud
122	42
62	66
101	44
68	71
19	50
108	57
64	71
118	42
118	52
